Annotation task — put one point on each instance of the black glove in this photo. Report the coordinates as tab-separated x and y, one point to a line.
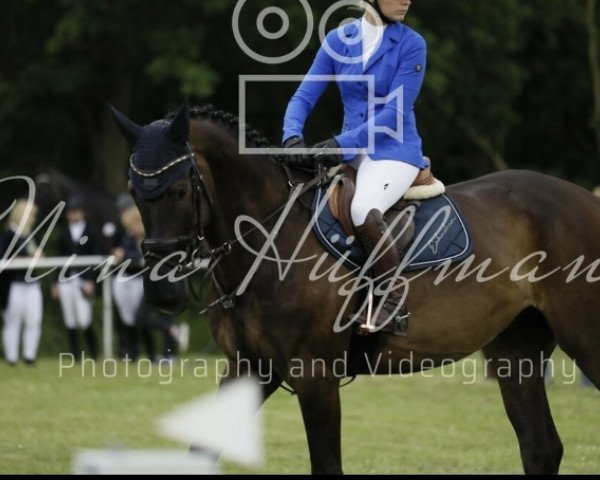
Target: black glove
300	160
327	158
294	142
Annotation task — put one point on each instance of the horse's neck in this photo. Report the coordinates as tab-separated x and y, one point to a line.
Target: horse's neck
252	186
248	186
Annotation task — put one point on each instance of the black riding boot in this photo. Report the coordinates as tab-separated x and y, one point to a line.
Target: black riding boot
393	319
73	335
92	342
128	342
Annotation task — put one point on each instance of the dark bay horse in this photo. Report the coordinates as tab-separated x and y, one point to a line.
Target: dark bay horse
531	284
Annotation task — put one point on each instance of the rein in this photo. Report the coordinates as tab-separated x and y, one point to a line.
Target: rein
227	300
194	256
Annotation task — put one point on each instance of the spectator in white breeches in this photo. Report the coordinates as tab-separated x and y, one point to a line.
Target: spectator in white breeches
128	286
20	300
77	289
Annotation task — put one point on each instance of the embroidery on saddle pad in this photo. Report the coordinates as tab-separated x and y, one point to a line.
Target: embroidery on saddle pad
441	234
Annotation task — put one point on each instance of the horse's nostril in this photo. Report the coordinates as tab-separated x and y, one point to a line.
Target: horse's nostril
169	306
173	310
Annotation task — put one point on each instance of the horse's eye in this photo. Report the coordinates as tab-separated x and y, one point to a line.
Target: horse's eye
181	193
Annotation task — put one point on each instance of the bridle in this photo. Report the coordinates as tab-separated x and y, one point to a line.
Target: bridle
190	253
192	248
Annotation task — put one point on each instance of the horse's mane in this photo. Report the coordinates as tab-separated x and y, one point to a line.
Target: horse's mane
208	112
232	123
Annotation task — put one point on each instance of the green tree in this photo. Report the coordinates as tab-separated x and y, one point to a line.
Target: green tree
555	104
508	82
593	30
473	78
97	52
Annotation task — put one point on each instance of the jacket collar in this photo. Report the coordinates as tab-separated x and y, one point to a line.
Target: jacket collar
392	35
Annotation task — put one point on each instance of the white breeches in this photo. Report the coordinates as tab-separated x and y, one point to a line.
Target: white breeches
379	184
24	308
128	293
76	308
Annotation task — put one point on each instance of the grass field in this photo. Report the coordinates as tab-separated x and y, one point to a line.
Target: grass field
445	424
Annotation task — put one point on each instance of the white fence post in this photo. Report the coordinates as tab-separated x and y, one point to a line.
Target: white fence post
107	318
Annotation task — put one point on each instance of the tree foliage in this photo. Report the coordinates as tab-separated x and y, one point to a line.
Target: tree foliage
509	83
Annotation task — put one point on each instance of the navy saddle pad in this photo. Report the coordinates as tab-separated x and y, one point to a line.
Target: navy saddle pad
441	234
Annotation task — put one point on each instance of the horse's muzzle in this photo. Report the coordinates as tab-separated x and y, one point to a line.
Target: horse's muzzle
164	293
171	298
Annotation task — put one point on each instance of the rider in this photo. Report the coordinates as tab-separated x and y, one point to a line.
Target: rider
392	58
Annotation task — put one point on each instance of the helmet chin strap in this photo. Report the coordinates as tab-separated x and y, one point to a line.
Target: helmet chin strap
375	5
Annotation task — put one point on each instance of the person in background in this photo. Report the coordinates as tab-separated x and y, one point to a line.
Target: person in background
20	301
138	319
151	319
76	291
128	288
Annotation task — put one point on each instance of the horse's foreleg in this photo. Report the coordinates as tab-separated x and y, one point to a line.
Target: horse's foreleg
320	404
517	356
269	381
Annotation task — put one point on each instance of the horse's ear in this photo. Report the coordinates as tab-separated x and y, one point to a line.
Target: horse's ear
130	130
180	126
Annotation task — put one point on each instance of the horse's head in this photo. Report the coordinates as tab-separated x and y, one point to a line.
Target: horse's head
169	191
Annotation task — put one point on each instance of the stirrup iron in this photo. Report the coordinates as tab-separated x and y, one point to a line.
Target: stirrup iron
395	326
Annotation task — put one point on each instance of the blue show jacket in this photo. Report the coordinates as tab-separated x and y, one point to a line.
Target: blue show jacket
398	65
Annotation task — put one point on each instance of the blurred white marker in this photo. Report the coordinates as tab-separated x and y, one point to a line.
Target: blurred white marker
141	462
227	423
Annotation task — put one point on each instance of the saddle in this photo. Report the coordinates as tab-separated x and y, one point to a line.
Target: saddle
425	186
441	233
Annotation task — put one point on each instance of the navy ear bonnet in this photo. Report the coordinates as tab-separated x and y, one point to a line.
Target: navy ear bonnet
160	154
